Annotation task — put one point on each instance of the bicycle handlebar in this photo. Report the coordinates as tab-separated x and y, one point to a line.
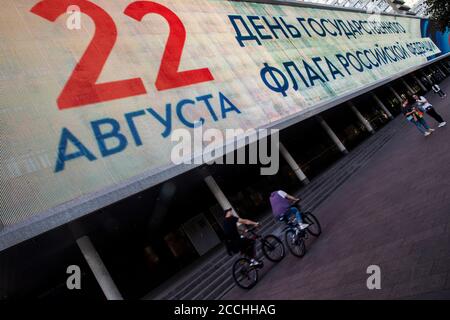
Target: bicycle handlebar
253	228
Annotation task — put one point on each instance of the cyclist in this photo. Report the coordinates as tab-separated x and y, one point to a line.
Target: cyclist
234	241
282	207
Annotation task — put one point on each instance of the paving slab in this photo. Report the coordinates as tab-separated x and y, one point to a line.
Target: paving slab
394	213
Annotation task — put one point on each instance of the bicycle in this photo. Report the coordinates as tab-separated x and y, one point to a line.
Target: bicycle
245	274
294	236
314	228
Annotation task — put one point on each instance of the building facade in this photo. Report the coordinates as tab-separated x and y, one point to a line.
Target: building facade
87	174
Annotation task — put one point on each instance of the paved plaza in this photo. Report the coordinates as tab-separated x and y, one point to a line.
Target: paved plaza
394	213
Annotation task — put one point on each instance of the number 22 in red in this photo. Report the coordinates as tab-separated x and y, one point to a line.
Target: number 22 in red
82	87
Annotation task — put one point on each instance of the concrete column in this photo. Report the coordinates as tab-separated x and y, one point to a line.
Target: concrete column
217	192
433	72
425	76
332	135
293	164
98	269
408	87
440	70
361	118
445	66
396	94
421	85
382	106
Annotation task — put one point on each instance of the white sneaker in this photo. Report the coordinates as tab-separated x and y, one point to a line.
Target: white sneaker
430	130
427	134
254	263
442	124
303	226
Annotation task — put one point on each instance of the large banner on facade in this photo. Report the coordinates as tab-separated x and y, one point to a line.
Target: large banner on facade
92	90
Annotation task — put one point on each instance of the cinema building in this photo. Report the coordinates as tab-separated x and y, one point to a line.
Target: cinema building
92	97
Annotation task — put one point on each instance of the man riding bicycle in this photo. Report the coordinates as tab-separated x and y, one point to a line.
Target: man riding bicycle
234	241
282	207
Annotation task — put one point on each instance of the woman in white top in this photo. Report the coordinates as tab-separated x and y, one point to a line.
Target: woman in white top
426	107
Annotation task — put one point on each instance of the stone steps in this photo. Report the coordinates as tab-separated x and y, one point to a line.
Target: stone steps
212	279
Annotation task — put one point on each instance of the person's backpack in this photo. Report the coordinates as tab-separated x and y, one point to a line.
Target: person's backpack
418	113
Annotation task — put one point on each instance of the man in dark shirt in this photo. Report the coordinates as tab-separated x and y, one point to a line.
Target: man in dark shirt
438	90
234	241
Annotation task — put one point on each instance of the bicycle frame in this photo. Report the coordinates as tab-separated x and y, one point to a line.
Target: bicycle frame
253	234
292	225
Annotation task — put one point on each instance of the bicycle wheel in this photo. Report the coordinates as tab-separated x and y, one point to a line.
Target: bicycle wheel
273	248
314	229
244	275
295	243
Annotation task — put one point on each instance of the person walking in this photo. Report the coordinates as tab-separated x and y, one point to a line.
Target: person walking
426	107
415	116
438	90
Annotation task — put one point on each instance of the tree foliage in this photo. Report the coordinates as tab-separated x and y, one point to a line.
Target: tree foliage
439	10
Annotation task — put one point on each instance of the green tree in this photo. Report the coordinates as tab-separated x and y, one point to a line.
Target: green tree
439	10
